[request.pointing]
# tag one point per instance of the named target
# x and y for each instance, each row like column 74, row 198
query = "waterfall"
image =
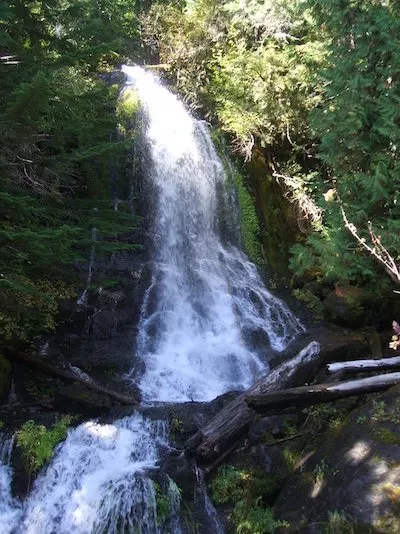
column 201, row 315
column 98, row 481
column 206, row 302
column 10, row 508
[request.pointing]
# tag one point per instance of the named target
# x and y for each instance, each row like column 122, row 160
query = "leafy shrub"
column 246, row 491
column 37, row 442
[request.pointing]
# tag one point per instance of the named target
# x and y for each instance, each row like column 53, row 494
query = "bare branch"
column 377, row 250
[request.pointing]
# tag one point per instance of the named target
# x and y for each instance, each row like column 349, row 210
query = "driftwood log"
column 224, row 432
column 300, row 397
column 46, row 368
column 358, row 366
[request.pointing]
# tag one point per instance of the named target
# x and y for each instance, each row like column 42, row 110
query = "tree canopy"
column 57, row 120
column 314, row 83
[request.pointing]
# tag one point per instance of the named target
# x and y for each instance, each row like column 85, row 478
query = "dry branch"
column 365, row 365
column 319, row 394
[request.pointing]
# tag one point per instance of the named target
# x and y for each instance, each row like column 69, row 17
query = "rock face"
column 278, row 225
column 352, row 472
column 5, row 370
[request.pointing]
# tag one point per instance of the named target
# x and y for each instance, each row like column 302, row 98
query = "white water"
column 199, row 316
column 98, row 481
column 10, row 508
column 204, row 295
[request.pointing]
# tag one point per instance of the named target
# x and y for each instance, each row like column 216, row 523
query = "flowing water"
column 201, row 318
column 10, row 508
column 206, row 301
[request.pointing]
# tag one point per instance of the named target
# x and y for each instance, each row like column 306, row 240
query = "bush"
column 37, row 442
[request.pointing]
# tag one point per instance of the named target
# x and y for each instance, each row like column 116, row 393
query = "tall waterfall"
column 206, row 300
column 201, row 314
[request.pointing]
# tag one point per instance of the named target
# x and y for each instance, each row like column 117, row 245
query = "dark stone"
column 353, row 469
column 5, row 376
column 337, row 344
column 76, row 398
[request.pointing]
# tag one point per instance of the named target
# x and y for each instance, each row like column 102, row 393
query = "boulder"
column 351, row 475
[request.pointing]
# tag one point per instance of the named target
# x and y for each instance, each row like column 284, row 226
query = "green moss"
column 291, row 458
column 250, row 226
column 339, row 523
column 176, row 427
column 386, row 436
column 37, row 442
column 311, row 301
column 163, row 505
column 128, row 104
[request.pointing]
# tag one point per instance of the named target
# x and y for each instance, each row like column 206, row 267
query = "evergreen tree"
column 358, row 125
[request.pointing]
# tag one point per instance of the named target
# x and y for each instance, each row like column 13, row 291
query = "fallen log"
column 231, row 424
column 300, row 397
column 66, row 376
column 365, row 365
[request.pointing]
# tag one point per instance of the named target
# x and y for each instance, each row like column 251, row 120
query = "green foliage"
column 339, row 523
column 311, row 301
column 315, row 84
column 37, row 443
column 245, row 490
column 57, row 120
column 324, row 416
column 257, row 520
column 249, row 223
column 227, row 485
column 163, row 505
column 128, row 106
column 41, row 242
column 357, row 123
column 246, row 63
column 176, row 427
column 291, row 458
column 320, row 471
column 386, row 436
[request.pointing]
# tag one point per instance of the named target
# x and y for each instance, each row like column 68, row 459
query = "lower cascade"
column 201, row 317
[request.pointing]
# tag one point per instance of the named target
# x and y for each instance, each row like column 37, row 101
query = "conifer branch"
column 377, row 250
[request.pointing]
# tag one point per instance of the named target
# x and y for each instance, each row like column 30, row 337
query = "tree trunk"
column 229, row 426
column 66, row 376
column 365, row 365
column 308, row 395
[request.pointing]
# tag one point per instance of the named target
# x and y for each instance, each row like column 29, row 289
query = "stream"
column 202, row 319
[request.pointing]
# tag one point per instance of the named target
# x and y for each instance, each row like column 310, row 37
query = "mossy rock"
column 353, row 475
column 274, row 211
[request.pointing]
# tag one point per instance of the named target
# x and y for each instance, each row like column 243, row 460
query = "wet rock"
column 272, row 425
column 353, row 307
column 346, row 305
column 75, row 398
column 337, row 344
